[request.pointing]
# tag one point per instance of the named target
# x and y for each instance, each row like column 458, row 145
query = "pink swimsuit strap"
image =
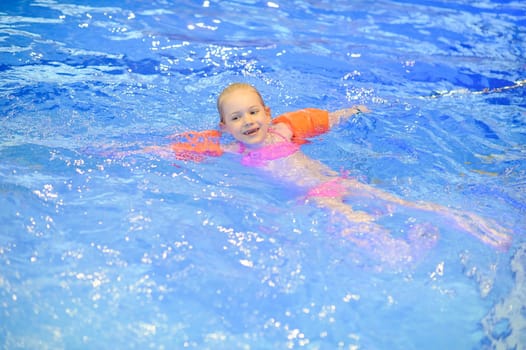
column 261, row 156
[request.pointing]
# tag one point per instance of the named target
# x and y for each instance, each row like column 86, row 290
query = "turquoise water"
column 99, row 251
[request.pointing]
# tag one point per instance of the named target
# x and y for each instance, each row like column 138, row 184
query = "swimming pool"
column 99, row 251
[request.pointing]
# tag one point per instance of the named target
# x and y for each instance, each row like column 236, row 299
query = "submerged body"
column 273, row 145
column 283, row 160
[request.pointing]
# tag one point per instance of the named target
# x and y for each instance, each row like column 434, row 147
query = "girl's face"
column 245, row 117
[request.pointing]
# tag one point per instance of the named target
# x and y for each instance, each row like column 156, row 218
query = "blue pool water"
column 105, row 252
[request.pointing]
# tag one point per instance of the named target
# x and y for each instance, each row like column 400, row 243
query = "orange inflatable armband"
column 196, row 145
column 305, row 123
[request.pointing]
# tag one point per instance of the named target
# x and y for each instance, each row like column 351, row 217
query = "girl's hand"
column 340, row 115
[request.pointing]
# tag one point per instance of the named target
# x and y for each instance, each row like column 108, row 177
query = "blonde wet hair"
column 231, row 88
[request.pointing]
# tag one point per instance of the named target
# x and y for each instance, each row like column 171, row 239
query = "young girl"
column 273, row 145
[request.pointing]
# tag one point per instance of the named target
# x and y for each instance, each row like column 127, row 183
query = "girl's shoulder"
column 283, row 130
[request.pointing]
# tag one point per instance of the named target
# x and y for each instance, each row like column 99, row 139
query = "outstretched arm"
column 341, row 115
column 189, row 146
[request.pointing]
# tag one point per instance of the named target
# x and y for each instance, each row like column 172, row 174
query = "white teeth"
column 251, row 131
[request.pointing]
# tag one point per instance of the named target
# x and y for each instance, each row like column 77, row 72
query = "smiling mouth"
column 250, row 132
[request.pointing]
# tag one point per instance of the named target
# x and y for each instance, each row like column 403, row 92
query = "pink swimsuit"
column 261, row 156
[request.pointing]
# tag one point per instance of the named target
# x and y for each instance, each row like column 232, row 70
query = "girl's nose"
column 248, row 118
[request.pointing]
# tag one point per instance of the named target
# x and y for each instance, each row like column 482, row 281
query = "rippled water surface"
column 100, row 251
